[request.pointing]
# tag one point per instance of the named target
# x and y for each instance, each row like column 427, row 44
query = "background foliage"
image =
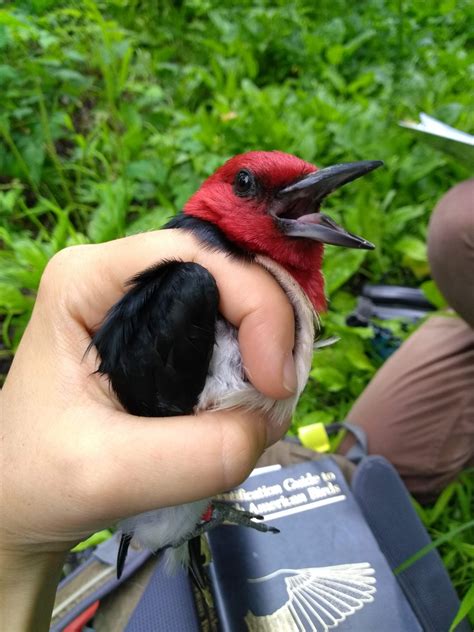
column 112, row 113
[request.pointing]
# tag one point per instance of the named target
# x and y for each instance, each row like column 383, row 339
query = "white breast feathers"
column 227, row 386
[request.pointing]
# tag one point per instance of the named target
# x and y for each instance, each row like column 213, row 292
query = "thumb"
column 153, row 462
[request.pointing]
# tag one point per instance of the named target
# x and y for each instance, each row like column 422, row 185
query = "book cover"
column 323, row 571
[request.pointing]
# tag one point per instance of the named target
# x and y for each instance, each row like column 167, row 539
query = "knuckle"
column 60, row 267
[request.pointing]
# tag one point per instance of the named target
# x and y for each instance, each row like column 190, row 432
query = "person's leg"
column 418, row 411
column 451, row 248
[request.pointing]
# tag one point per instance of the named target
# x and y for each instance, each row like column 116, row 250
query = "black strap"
column 360, row 449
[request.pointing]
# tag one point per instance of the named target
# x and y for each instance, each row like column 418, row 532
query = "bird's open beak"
column 297, row 206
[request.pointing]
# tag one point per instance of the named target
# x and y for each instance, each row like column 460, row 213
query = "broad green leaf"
column 317, row 417
column 330, row 377
column 9, row 19
column 11, row 299
column 151, row 170
column 412, row 248
column 356, row 356
column 340, row 265
column 335, row 54
column 7, row 74
column 432, row 293
column 335, row 78
column 414, row 254
column 396, row 220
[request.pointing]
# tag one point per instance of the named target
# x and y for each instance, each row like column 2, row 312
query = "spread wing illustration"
column 318, row 598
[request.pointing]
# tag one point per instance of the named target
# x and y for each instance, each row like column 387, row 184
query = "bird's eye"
column 244, row 183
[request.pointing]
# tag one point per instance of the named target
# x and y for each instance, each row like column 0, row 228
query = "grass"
column 113, row 113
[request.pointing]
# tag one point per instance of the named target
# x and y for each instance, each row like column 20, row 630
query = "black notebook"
column 323, row 571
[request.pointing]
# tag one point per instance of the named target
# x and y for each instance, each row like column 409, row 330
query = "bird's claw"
column 226, row 512
column 229, row 513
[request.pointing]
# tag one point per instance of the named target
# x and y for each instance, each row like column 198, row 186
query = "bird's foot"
column 221, row 512
column 227, row 512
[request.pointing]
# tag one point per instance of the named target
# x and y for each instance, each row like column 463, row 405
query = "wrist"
column 28, row 584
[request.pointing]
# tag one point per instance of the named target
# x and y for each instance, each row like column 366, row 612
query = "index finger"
column 250, row 298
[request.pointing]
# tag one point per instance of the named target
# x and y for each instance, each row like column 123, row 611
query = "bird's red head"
column 268, row 203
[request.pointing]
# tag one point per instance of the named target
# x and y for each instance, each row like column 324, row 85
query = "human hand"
column 73, row 460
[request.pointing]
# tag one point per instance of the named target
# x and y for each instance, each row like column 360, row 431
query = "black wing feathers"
column 156, row 342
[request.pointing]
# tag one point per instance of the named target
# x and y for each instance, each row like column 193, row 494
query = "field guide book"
column 323, row 571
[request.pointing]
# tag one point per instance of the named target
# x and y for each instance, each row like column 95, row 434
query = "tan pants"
column 418, row 411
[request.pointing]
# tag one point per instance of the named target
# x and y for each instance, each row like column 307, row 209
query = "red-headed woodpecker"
column 167, row 350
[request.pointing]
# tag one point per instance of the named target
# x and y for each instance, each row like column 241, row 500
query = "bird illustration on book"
column 167, row 350
column 319, row 599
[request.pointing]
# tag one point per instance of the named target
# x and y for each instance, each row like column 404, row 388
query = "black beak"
column 296, row 208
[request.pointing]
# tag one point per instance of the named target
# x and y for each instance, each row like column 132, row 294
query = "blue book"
column 323, row 571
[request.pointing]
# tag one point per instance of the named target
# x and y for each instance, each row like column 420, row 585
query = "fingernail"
column 290, row 381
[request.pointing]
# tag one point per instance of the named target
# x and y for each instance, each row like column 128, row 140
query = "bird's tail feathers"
column 176, row 558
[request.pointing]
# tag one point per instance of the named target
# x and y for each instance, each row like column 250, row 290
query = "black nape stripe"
column 209, row 235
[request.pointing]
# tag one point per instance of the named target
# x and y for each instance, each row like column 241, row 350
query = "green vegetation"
column 112, row 113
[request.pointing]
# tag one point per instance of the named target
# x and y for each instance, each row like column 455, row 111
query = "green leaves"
column 330, row 378
column 108, row 219
column 340, row 265
column 338, row 53
column 444, row 538
column 397, row 221
column 339, row 372
column 155, row 219
column 450, row 523
column 430, row 290
column 12, row 300
column 414, row 255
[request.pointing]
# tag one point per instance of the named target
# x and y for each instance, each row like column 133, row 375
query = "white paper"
column 444, row 137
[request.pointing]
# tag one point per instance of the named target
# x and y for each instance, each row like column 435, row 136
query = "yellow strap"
column 314, row 437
